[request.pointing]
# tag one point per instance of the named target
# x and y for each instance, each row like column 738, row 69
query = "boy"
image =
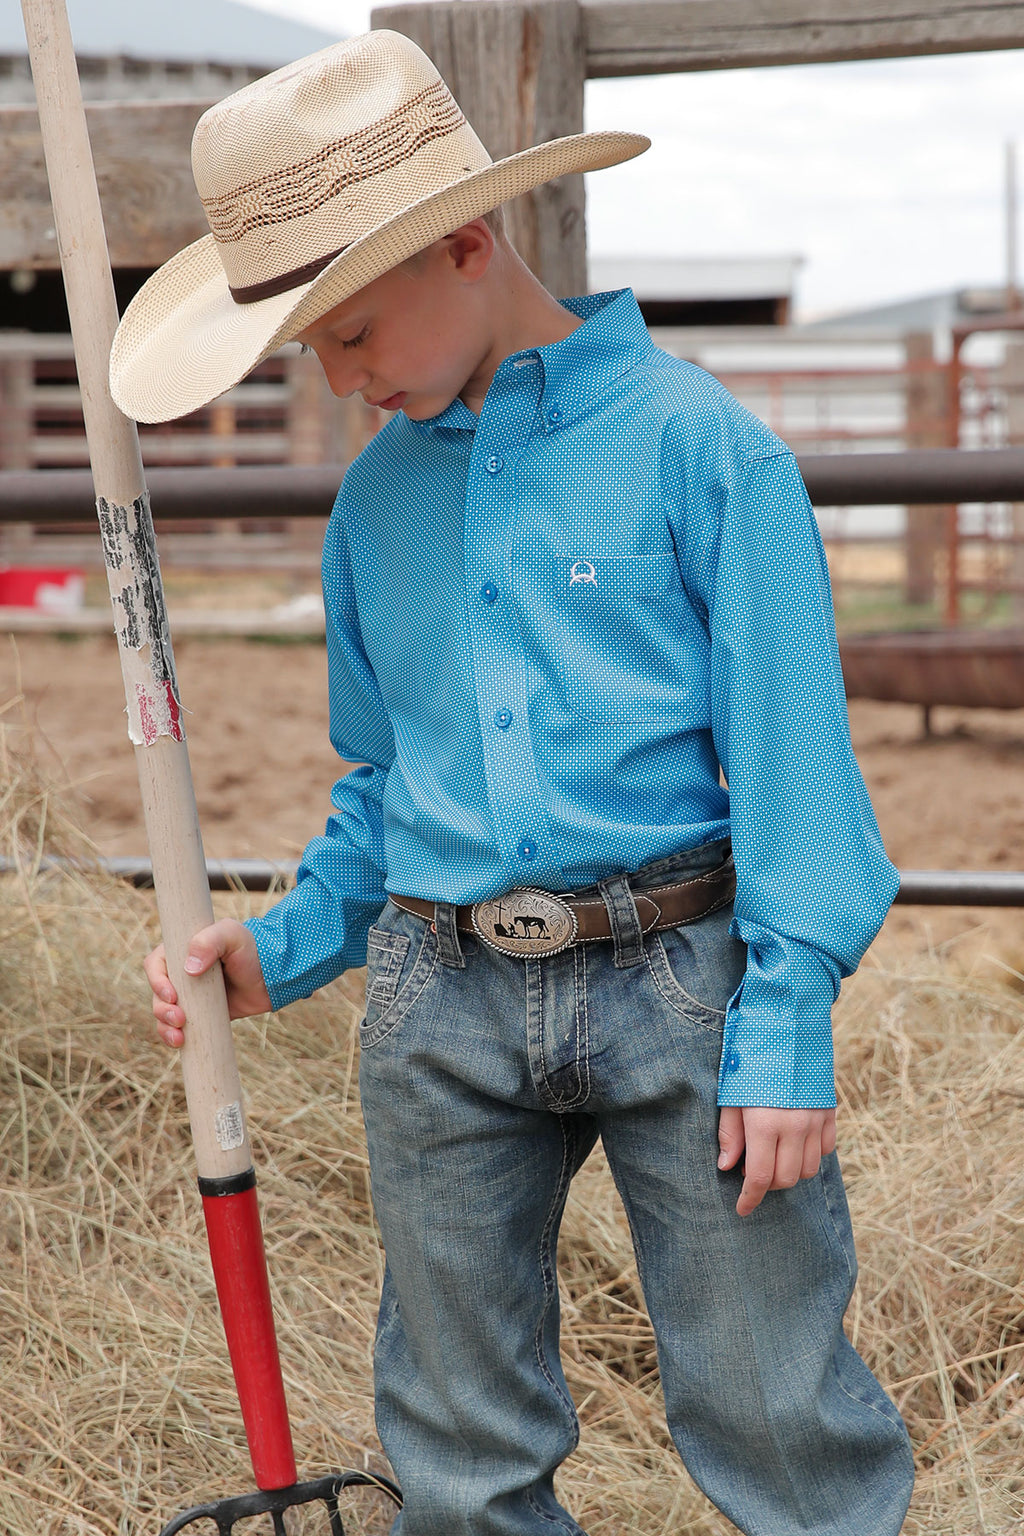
column 568, row 580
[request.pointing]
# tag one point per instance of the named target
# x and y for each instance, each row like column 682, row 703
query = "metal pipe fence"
column 918, row 887
column 923, row 477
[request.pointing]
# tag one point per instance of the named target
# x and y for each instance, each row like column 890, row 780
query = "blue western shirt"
column 548, row 627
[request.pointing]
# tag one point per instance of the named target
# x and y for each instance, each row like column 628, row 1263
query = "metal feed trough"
column 976, row 669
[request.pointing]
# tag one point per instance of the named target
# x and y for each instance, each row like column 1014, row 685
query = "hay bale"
column 116, row 1401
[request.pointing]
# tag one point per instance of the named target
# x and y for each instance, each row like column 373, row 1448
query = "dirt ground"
column 263, row 767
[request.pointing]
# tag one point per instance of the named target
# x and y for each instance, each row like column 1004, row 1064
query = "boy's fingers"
column 781, row 1149
column 757, row 1182
column 170, row 1035
column 155, row 966
column 731, row 1139
column 758, row 1172
column 798, row 1148
column 789, row 1162
column 208, row 946
column 812, row 1158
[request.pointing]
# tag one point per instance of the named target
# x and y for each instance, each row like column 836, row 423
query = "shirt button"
column 494, row 464
column 732, row 1061
column 554, row 416
column 489, row 592
column 527, row 850
column 503, row 719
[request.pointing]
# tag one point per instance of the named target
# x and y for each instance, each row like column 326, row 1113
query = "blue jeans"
column 486, row 1081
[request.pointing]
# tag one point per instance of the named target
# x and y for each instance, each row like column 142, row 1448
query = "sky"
column 887, row 177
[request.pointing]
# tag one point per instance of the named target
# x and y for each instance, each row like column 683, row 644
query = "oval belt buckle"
column 525, row 922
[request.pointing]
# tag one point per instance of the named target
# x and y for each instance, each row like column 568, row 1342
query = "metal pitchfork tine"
column 213, row 1091
column 275, row 1502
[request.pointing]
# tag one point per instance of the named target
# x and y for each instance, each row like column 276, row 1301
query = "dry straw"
column 116, row 1401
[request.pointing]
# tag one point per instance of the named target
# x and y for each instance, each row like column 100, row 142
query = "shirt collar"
column 456, row 417
column 612, row 340
column 578, row 370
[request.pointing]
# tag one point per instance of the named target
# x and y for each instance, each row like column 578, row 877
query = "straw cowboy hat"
column 315, row 180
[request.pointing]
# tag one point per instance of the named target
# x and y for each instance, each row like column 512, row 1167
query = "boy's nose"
column 343, row 379
column 345, row 375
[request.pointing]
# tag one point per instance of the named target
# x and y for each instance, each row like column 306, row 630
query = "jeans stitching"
column 535, row 980
column 383, row 988
column 375, row 1034
column 549, row 1280
column 583, row 1057
column 542, row 1514
column 713, row 1017
column 546, row 1090
column 561, row 1103
column 552, row 1100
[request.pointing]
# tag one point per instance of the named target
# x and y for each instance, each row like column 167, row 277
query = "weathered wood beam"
column 646, row 37
column 517, row 72
column 142, row 154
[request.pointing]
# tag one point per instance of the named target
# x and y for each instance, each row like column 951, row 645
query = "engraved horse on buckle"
column 525, row 922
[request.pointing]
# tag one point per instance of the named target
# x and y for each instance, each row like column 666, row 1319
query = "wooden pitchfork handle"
column 212, row 1086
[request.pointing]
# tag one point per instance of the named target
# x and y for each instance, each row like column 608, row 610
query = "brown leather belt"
column 530, row 923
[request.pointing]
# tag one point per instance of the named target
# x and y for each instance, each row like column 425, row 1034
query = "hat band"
column 252, row 292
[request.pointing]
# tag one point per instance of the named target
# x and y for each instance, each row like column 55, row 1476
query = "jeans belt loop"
column 449, row 949
column 627, row 934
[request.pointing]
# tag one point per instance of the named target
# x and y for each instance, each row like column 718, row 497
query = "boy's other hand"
column 779, row 1147
column 233, row 945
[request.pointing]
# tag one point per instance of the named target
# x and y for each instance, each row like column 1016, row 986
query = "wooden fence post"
column 517, row 71
column 1011, row 376
column 16, row 420
column 927, row 427
column 313, row 428
column 17, row 429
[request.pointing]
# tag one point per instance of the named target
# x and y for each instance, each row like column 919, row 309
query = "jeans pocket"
column 698, row 966
column 398, row 966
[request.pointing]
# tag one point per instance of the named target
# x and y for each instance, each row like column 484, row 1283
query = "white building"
column 703, row 290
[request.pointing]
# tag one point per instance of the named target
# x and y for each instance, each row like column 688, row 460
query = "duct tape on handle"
column 140, row 620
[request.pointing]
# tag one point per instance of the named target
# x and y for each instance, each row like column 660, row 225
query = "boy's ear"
column 470, row 249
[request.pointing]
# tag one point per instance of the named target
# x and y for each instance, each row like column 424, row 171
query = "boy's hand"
column 782, row 1146
column 234, row 946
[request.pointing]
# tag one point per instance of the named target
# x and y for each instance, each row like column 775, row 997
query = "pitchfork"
column 213, row 1091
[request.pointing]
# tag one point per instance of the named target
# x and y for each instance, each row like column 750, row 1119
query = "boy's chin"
column 424, row 407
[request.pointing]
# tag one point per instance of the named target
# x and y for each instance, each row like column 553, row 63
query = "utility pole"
column 1012, row 291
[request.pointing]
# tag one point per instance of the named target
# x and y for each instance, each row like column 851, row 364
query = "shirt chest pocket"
column 606, row 635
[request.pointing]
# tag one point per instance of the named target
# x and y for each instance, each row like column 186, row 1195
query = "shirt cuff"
column 773, row 1064
column 273, row 963
column 302, row 944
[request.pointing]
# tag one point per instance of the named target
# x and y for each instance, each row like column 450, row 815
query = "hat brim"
column 183, row 340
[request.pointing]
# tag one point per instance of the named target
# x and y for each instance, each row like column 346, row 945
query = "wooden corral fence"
column 518, row 68
column 890, row 394
column 280, row 414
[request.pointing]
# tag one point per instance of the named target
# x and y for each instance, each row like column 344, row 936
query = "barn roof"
column 696, row 277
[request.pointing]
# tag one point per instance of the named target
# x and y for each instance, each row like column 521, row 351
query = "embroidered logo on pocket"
column 583, row 570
